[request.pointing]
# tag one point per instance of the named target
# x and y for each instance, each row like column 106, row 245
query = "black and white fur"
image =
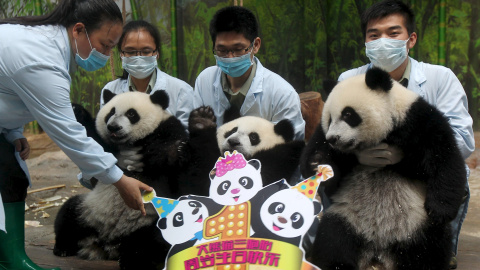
column 254, row 137
column 98, row 225
column 396, row 217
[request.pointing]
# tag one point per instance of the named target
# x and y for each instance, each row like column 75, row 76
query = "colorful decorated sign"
column 242, row 225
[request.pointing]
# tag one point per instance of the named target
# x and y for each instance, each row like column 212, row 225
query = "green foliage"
column 304, row 41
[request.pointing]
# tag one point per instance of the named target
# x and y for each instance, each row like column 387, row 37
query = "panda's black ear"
column 162, row 223
column 160, row 98
column 328, row 86
column 285, row 129
column 107, row 95
column 255, row 163
column 317, row 208
column 378, row 79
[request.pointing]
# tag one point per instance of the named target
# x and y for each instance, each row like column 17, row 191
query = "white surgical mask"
column 139, row 67
column 386, row 53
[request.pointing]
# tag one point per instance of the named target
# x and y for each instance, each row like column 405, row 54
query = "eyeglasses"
column 146, row 52
column 235, row 52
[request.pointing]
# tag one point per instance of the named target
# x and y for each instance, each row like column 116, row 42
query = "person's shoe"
column 453, row 262
column 12, row 243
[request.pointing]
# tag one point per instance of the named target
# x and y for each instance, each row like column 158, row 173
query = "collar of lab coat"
column 255, row 89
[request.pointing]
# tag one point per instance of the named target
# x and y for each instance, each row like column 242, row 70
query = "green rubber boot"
column 12, row 243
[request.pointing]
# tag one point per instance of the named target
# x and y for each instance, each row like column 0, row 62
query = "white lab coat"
column 269, row 97
column 179, row 92
column 35, row 85
column 440, row 87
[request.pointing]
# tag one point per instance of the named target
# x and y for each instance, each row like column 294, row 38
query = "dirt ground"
column 49, row 168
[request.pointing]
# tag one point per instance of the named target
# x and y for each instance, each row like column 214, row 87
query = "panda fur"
column 396, row 217
column 254, row 137
column 97, row 225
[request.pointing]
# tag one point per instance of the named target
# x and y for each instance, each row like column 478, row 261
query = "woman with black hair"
column 139, row 48
column 35, row 61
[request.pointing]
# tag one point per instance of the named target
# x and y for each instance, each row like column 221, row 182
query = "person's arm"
column 45, row 90
column 451, row 100
column 287, row 106
column 15, row 137
column 184, row 103
column 197, row 97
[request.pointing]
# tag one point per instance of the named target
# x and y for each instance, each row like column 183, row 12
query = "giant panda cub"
column 95, row 225
column 396, row 217
column 254, row 137
column 272, row 144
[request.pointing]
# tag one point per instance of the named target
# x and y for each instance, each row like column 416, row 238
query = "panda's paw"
column 314, row 161
column 202, row 118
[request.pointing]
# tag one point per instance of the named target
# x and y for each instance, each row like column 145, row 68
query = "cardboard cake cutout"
column 241, row 225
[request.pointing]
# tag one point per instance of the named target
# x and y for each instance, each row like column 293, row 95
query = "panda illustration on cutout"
column 239, row 208
column 181, row 221
column 287, row 214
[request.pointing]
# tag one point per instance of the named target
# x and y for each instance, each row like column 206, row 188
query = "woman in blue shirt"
column 35, row 85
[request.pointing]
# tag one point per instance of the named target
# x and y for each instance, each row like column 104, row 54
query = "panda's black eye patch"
column 276, row 207
column 254, row 138
column 297, row 220
column 112, row 112
column 351, row 117
column 178, row 220
column 246, row 182
column 223, row 187
column 132, row 116
column 194, row 204
column 227, row 134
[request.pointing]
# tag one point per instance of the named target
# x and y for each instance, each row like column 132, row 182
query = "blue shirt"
column 440, row 87
column 35, row 85
column 269, row 97
column 180, row 94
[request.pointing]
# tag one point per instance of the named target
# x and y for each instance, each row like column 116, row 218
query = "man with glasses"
column 388, row 28
column 139, row 49
column 239, row 82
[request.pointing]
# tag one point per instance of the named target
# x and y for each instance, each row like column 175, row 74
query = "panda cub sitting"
column 254, row 137
column 95, row 225
column 396, row 217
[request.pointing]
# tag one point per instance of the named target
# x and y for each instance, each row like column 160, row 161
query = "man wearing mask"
column 239, row 81
column 388, row 28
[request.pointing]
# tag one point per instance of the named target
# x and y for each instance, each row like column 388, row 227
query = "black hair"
column 234, row 18
column 135, row 26
column 385, row 8
column 92, row 13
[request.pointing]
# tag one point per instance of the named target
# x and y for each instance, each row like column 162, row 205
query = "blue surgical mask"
column 235, row 66
column 387, row 53
column 139, row 67
column 95, row 59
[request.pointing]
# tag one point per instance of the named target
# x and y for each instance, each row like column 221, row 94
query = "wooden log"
column 312, row 106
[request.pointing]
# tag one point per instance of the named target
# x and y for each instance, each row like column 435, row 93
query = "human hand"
column 22, row 146
column 130, row 159
column 129, row 189
column 380, row 156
